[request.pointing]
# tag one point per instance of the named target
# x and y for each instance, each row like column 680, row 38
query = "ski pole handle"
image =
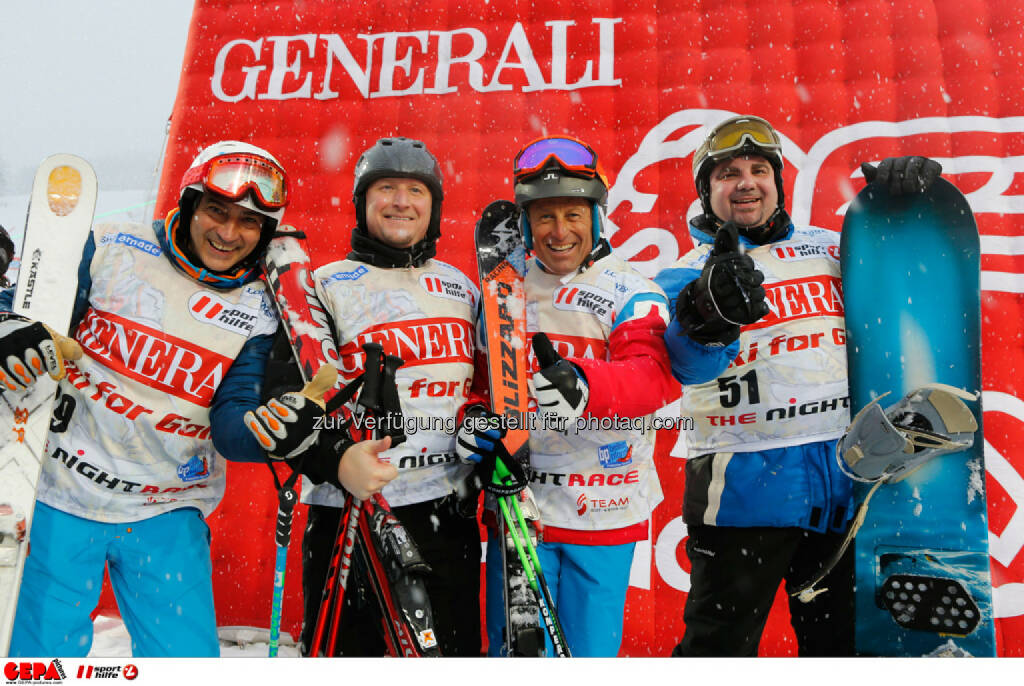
column 322, row 381
column 369, row 398
column 391, row 404
column 67, row 349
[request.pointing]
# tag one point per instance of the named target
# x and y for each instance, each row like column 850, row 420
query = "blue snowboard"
column 911, row 282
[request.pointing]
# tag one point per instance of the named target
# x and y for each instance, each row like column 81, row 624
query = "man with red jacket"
column 595, row 486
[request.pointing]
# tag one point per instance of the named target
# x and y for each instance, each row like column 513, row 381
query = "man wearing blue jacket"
column 765, row 500
column 176, row 328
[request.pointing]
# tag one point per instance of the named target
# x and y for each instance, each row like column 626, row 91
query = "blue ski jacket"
column 763, row 452
column 238, row 392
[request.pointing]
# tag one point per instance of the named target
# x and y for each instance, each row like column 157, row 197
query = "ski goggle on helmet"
column 572, row 155
column 735, row 134
column 239, row 171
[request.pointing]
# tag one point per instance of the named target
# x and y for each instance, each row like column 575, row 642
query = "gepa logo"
column 34, row 672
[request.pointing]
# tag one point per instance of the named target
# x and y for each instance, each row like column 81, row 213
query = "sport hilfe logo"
column 128, row 671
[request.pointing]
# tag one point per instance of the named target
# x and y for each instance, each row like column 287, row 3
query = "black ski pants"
column 735, row 573
column 449, row 542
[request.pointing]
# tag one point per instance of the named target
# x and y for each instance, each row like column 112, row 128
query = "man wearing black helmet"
column 765, row 500
column 391, row 290
column 595, row 483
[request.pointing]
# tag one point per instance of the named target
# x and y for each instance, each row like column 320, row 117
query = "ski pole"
column 527, row 553
column 286, row 498
column 563, row 649
column 333, row 595
column 314, row 390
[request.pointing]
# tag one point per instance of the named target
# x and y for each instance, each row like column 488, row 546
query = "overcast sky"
column 95, row 78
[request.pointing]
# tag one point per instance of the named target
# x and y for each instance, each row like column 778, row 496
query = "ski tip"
column 63, row 189
column 498, row 212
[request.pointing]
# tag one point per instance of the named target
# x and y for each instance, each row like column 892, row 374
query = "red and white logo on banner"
column 438, row 340
column 442, row 287
column 155, row 358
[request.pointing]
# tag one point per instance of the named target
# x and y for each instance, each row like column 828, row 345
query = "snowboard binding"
column 888, row 445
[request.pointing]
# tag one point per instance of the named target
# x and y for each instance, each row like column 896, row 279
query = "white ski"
column 59, row 221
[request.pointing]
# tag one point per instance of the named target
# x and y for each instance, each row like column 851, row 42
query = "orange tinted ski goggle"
column 235, row 175
column 732, row 135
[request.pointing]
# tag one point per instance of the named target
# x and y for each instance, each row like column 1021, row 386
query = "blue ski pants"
column 588, row 584
column 160, row 571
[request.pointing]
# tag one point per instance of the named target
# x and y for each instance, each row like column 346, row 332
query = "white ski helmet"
column 262, row 176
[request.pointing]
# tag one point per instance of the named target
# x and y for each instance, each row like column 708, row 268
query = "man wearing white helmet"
column 176, row 327
column 765, row 500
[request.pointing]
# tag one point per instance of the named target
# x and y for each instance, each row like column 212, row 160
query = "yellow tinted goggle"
column 734, row 134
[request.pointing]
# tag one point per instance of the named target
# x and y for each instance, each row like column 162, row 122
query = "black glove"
column 560, row 388
column 479, row 436
column 903, row 175
column 27, row 351
column 288, row 425
column 727, row 294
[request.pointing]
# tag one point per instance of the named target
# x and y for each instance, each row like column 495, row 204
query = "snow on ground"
column 111, row 639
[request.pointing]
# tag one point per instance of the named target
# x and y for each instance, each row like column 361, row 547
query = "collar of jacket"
column 371, row 251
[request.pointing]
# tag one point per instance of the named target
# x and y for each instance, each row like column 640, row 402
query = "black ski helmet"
column 399, row 157
column 736, row 136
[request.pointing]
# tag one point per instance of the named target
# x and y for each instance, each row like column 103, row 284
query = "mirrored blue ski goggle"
column 572, row 155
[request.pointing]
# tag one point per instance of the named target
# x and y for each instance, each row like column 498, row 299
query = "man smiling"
column 562, row 233
column 391, row 290
column 765, row 500
column 398, row 211
column 606, row 323
column 138, row 446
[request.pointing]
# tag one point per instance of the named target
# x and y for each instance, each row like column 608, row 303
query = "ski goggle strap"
column 237, row 174
column 238, row 276
column 571, row 154
column 734, row 134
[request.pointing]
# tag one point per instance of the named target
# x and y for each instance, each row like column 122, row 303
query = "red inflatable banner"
column 843, row 81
